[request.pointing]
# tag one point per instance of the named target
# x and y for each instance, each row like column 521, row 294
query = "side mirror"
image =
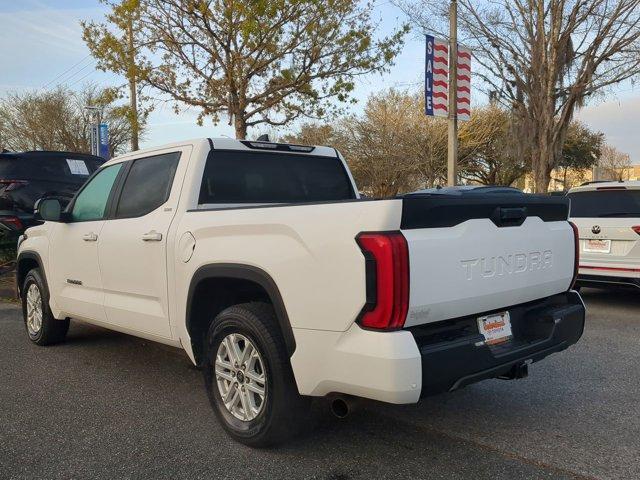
column 48, row 209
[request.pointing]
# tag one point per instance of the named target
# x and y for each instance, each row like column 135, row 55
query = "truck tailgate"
column 477, row 253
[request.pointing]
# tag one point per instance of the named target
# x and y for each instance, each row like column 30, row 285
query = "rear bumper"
column 403, row 366
column 609, row 279
column 453, row 353
column 381, row 366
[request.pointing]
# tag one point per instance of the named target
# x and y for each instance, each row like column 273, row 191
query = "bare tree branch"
column 544, row 58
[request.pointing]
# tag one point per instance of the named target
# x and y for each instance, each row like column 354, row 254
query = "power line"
column 66, row 71
column 69, row 78
column 81, row 78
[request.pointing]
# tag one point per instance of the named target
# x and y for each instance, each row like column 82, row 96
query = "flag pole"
column 452, row 171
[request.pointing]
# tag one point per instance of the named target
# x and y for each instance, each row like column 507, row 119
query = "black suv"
column 27, row 176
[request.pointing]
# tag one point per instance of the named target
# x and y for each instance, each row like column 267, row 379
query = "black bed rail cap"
column 504, row 209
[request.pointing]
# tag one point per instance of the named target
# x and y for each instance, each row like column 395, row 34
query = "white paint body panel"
column 74, row 259
column 309, row 250
column 385, row 366
column 625, row 247
column 476, row 267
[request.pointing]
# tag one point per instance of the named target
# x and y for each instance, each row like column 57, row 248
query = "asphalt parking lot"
column 107, row 405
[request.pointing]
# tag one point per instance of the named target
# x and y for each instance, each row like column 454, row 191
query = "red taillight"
column 636, row 228
column 576, row 240
column 387, row 262
column 12, row 184
column 14, row 222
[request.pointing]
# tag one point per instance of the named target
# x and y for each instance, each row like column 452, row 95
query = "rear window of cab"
column 239, row 177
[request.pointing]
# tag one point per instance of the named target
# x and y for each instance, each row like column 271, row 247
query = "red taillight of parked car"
column 8, row 185
column 636, row 228
column 387, row 271
column 576, row 264
column 12, row 222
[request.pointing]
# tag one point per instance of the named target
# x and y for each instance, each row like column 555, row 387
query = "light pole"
column 94, row 135
column 452, row 158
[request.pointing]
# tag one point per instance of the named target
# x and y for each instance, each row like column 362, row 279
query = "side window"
column 91, row 203
column 148, row 185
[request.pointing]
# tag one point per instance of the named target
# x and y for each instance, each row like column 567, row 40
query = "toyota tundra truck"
column 280, row 282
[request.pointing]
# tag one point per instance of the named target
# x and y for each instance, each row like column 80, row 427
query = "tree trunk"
column 133, row 89
column 133, row 115
column 241, row 127
column 542, row 179
column 541, row 172
column 544, row 152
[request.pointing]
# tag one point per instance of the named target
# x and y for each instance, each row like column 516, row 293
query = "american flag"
column 437, row 79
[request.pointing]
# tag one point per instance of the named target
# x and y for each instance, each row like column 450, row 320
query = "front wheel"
column 42, row 327
column 249, row 379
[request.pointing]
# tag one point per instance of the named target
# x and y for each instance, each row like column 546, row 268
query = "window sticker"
column 77, row 167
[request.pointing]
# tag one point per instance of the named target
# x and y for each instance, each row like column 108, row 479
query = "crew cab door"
column 75, row 276
column 133, row 247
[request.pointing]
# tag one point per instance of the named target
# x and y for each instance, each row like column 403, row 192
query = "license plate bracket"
column 496, row 328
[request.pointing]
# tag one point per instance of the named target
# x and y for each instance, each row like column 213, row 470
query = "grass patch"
column 7, row 282
column 7, row 255
column 7, row 249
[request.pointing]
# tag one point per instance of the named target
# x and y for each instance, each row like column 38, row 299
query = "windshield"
column 605, row 203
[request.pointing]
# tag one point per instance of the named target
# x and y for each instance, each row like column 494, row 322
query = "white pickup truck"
column 263, row 263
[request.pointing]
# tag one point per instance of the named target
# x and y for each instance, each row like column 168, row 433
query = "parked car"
column 27, row 176
column 468, row 189
column 608, row 218
column 260, row 260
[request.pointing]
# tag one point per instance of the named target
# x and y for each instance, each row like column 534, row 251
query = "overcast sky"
column 41, row 47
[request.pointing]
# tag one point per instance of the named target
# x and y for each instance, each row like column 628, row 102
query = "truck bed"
column 467, row 253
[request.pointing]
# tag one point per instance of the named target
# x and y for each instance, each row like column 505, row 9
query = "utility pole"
column 133, row 86
column 452, row 159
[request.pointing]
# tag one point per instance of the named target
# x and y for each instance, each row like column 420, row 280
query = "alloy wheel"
column 240, row 376
column 34, row 310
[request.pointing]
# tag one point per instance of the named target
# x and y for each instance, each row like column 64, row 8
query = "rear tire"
column 249, row 379
column 42, row 327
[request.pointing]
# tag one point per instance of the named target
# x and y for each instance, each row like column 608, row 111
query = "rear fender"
column 252, row 274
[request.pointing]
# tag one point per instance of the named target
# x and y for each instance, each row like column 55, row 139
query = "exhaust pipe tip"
column 340, row 407
column 517, row 372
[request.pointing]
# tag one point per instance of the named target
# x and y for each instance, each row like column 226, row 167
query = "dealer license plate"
column 496, row 328
column 597, row 245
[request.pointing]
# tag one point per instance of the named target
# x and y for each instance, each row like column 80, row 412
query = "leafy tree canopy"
column 262, row 61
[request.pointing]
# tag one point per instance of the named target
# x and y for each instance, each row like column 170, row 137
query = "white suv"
column 607, row 215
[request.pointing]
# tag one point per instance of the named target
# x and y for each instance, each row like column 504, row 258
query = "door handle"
column 90, row 237
column 152, row 236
